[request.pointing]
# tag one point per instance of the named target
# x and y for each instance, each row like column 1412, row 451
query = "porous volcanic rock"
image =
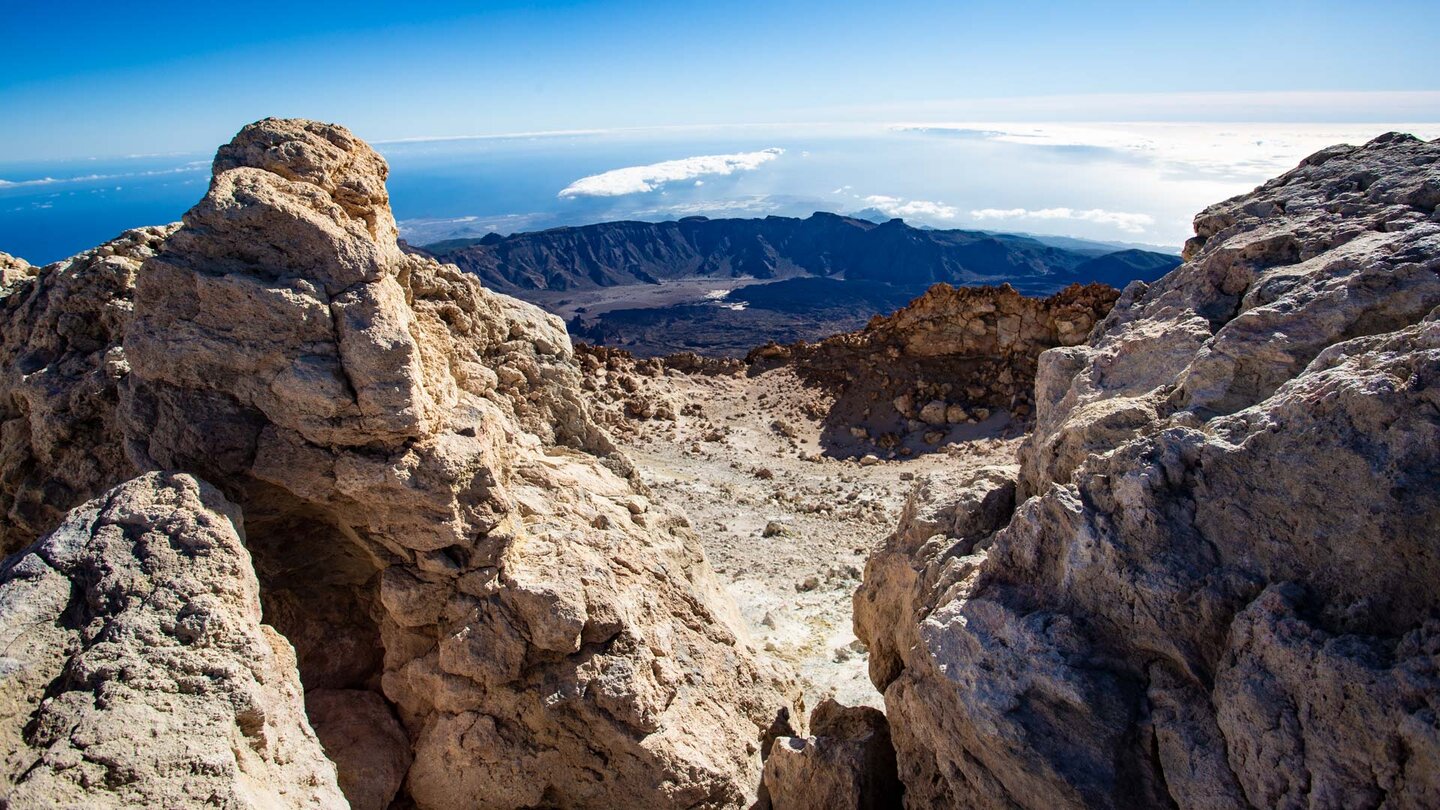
column 60, row 368
column 1218, row 586
column 433, row 514
column 136, row 672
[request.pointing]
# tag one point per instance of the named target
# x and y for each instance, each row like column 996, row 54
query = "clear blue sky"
column 106, row 78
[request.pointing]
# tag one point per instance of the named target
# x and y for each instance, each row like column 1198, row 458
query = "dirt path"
column 786, row 528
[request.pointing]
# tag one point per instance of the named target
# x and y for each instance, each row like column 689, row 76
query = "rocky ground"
column 786, row 526
column 305, row 521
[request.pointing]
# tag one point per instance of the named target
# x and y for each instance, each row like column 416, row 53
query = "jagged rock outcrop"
column 60, row 367
column 135, row 670
column 1217, row 589
column 952, row 356
column 434, row 516
column 14, row 270
column 846, row 762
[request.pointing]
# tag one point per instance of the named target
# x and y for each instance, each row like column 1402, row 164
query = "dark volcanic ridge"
column 721, row 286
column 827, row 245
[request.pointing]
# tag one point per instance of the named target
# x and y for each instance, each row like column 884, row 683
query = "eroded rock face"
column 433, row 514
column 1217, row 589
column 847, row 763
column 60, row 369
column 468, row 576
column 14, row 270
column 136, row 672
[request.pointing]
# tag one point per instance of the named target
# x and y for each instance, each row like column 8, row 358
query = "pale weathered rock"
column 136, row 672
column 423, row 485
column 13, row 270
column 846, row 762
column 1218, row 590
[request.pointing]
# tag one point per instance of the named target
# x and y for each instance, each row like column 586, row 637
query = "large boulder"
column 1218, row 586
column 136, row 672
column 473, row 583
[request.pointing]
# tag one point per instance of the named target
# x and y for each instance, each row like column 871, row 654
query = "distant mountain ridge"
column 821, row 245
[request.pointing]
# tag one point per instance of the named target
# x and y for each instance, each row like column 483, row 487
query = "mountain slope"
column 829, row 245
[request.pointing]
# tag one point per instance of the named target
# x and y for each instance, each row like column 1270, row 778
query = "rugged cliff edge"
column 1211, row 583
column 453, row 547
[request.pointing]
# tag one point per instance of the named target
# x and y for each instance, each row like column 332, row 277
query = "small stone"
column 933, row 413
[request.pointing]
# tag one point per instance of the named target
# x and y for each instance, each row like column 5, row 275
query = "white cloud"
column 640, row 179
column 916, row 209
column 1130, row 223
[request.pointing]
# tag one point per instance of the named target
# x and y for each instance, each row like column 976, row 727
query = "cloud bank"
column 1130, row 223
column 640, row 179
column 917, row 209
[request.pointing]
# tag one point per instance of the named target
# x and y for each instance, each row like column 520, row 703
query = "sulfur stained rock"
column 136, row 671
column 1216, row 586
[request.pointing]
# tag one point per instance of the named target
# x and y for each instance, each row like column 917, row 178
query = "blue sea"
column 1126, row 184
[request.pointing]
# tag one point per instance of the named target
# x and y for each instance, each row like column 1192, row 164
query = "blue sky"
column 1104, row 120
column 90, row 79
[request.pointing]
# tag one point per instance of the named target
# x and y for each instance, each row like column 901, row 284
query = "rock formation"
column 1208, row 582
column 1216, row 587
column 60, row 369
column 435, row 519
column 136, row 672
column 846, row 762
column 953, row 356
